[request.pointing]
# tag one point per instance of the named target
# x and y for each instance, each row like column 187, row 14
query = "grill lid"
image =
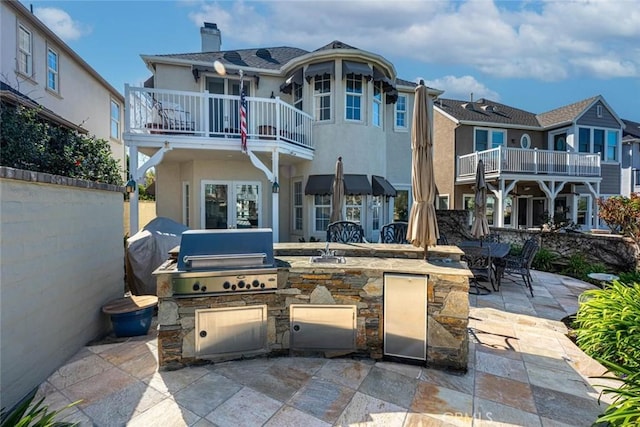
column 226, row 249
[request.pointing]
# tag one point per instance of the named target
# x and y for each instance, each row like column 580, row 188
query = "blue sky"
column 533, row 55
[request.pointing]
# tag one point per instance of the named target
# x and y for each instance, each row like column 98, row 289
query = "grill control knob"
column 226, row 285
column 196, row 286
column 241, row 284
column 203, row 289
column 233, row 287
column 255, row 283
column 262, row 285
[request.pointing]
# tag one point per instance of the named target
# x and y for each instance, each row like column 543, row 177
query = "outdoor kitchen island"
column 327, row 308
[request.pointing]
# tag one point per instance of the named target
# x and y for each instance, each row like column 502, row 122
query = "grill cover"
column 227, row 242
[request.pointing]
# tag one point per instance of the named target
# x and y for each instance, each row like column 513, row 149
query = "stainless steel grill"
column 212, row 262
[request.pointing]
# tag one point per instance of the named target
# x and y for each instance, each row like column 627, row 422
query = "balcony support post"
column 275, row 200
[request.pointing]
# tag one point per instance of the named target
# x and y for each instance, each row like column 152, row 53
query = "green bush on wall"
column 30, row 143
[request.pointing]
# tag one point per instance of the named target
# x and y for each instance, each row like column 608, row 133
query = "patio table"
column 497, row 250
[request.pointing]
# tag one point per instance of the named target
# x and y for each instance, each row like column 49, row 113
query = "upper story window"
column 525, row 141
column 115, row 120
column 353, row 100
column 603, row 141
column 377, row 104
column 401, row 112
column 322, row 97
column 297, row 96
column 25, row 48
column 599, row 111
column 52, row 70
column 486, row 139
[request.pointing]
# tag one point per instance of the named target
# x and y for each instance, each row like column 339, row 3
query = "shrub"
column 28, row 142
column 608, row 322
column 625, row 408
column 544, row 259
column 630, row 277
column 578, row 267
column 28, row 414
column 622, row 215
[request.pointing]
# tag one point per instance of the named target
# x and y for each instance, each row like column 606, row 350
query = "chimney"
column 211, row 37
column 471, row 96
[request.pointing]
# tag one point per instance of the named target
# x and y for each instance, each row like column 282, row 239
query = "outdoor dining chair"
column 394, row 232
column 520, row 265
column 345, row 232
column 478, row 260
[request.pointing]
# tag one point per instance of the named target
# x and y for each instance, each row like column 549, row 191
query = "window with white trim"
column 508, row 211
column 297, row 96
column 353, row 205
column 525, row 141
column 582, row 209
column 297, row 205
column 401, row 112
column 377, row 104
column 376, row 207
column 322, row 97
column 25, row 49
column 486, row 139
column 353, row 98
column 595, row 140
column 52, row 70
column 186, row 199
column 442, row 202
column 322, row 211
column 468, row 202
column 599, row 111
column 612, row 145
column 115, row 120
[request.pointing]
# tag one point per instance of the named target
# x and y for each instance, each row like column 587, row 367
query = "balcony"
column 162, row 114
column 519, row 161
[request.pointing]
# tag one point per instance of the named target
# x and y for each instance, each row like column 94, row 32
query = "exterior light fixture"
column 131, row 186
column 275, row 188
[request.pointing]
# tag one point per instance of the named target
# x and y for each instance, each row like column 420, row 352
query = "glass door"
column 224, row 114
column 231, row 204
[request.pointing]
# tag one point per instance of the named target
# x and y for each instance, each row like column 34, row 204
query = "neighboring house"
column 630, row 158
column 550, row 165
column 39, row 70
column 303, row 111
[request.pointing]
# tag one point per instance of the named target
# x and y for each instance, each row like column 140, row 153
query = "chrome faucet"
column 326, row 252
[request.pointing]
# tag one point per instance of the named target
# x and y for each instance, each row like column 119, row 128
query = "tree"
column 622, row 215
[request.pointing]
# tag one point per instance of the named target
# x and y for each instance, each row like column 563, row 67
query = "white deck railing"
column 166, row 112
column 530, row 161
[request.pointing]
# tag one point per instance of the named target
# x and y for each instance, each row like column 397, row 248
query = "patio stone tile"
column 57, row 401
column 503, row 390
column 242, row 371
column 206, row 394
column 411, row 371
column 390, row 386
column 563, row 381
column 495, row 341
column 142, row 366
column 501, row 366
column 78, row 370
column 278, row 383
column 174, row 381
column 167, row 413
column 369, row 411
column 422, row 420
column 323, row 399
column 546, row 422
column 309, row 365
column 125, row 352
column 442, row 404
column 99, row 348
column 288, row 416
column 93, row 389
column 488, row 413
column 349, row 373
column 509, row 353
column 77, row 418
column 519, row 308
column 119, row 407
column 454, row 381
column 245, row 408
column 562, row 363
column 497, row 304
column 566, row 408
column 204, row 423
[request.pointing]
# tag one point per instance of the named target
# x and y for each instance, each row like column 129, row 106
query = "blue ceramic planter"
column 132, row 324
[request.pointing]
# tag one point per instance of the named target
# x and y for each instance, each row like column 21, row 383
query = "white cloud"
column 549, row 40
column 462, row 88
column 60, row 22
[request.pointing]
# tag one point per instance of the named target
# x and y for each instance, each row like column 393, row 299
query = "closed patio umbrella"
column 480, row 226
column 422, row 229
column 337, row 198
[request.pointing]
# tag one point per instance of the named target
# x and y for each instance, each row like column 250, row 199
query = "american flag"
column 243, row 121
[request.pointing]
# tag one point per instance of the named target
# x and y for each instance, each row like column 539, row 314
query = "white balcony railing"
column 166, row 112
column 530, row 161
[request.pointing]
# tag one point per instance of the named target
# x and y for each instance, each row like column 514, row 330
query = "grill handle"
column 226, row 260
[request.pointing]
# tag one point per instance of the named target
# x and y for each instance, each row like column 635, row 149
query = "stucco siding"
column 444, row 155
column 62, row 259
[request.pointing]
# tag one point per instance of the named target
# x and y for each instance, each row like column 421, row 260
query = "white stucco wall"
column 62, row 259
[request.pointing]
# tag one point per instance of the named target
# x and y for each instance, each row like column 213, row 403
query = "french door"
column 224, row 113
column 231, row 204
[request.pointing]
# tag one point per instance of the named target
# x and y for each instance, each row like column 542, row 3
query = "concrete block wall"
column 61, row 259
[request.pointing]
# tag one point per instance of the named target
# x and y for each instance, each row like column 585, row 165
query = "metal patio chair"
column 478, row 260
column 394, row 232
column 520, row 265
column 345, row 232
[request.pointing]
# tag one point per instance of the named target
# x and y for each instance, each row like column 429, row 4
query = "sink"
column 327, row 259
